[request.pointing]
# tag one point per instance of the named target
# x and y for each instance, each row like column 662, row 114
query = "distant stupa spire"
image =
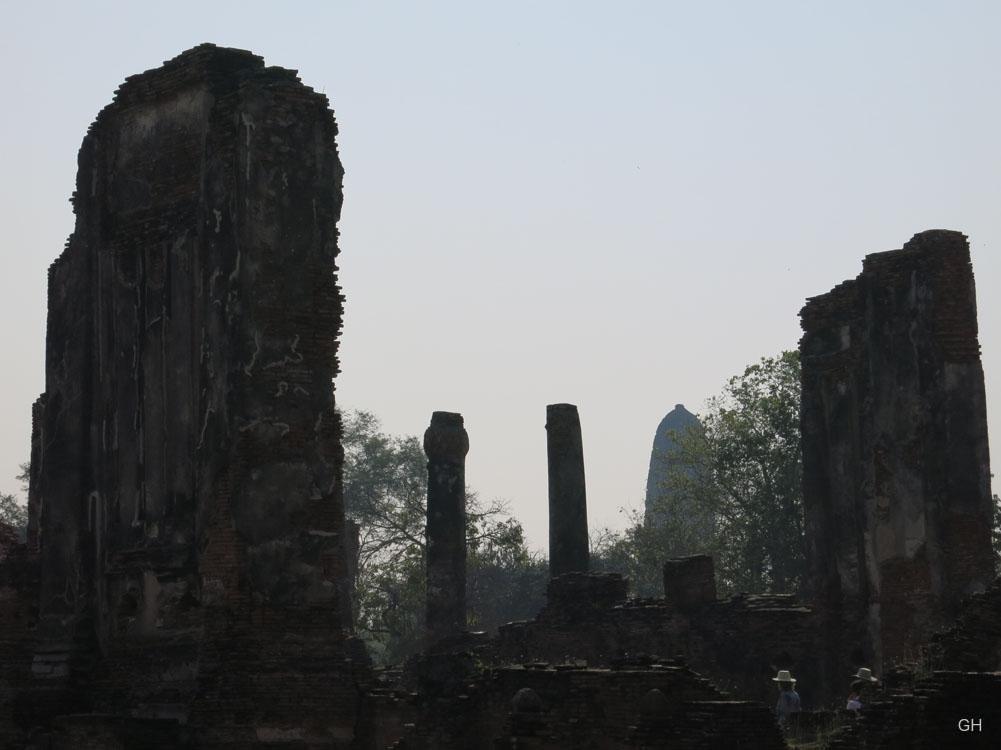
column 663, row 459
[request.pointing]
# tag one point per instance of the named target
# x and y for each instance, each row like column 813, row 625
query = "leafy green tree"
column 739, row 476
column 504, row 580
column 12, row 511
column 638, row 553
column 24, row 477
column 385, row 491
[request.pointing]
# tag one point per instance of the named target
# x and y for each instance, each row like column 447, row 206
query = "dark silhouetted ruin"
column 185, row 486
column 739, row 642
column 896, row 474
column 187, row 576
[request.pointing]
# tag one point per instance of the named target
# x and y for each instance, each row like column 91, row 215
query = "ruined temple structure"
column 599, row 671
column 898, row 520
column 596, row 669
column 896, row 476
column 186, row 512
column 738, row 642
column 186, row 578
column 187, row 573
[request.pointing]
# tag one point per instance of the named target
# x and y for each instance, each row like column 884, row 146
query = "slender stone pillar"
column 446, row 444
column 568, row 544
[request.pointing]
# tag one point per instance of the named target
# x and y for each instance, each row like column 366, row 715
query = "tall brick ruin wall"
column 896, row 469
column 185, row 490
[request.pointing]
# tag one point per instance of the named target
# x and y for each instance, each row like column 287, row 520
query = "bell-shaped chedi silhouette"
column 669, row 467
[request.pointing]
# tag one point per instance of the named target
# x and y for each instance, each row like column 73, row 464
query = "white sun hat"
column 864, row 673
column 784, row 676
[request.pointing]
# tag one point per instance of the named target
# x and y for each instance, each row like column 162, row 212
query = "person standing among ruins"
column 788, row 702
column 863, row 683
column 854, row 699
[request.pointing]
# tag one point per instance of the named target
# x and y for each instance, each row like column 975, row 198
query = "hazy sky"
column 614, row 204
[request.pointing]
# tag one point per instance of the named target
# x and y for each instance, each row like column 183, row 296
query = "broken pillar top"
column 560, row 412
column 446, row 438
column 560, row 407
column 446, row 419
column 563, row 419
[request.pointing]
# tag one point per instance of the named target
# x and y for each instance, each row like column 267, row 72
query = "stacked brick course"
column 739, row 642
column 973, row 641
column 555, row 707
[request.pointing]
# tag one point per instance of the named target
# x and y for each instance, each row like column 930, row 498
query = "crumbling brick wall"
column 598, row 709
column 973, row 641
column 896, row 475
column 739, row 643
column 186, row 455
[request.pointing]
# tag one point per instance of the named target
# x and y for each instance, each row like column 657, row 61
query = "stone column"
column 446, row 444
column 568, row 544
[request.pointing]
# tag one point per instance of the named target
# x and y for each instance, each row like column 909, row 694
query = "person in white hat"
column 862, row 683
column 788, row 702
column 865, row 675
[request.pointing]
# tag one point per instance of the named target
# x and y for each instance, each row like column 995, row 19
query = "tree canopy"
column 385, row 491
column 733, row 490
column 12, row 510
column 13, row 513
